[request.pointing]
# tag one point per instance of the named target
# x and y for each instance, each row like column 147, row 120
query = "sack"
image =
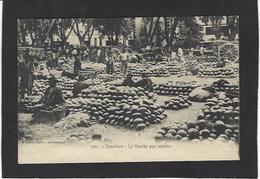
column 199, row 95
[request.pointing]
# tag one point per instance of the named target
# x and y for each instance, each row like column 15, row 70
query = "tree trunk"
column 156, row 26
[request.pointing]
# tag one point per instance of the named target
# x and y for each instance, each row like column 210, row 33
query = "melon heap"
column 173, row 89
column 26, row 105
column 177, row 102
column 219, row 119
column 124, row 106
column 221, row 108
column 217, row 73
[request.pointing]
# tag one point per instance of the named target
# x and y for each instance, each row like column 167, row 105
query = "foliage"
column 169, row 32
column 150, row 26
column 63, row 28
column 189, row 32
column 83, row 27
column 39, row 30
column 216, row 21
column 113, row 27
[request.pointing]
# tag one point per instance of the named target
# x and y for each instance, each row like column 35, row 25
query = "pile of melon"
column 217, row 73
column 200, row 130
column 39, row 87
column 149, row 72
column 177, row 102
column 218, row 119
column 26, row 105
column 130, row 107
column 221, row 108
column 225, row 87
column 173, row 89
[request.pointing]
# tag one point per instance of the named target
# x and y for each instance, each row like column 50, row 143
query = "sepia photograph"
column 128, row 89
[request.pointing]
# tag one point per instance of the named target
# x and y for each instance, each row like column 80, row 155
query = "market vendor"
column 53, row 95
column 77, row 64
column 128, row 81
column 145, row 83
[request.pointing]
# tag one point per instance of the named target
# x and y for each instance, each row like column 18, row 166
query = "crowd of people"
column 28, row 62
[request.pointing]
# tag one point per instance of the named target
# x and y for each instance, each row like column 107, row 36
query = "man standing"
column 77, row 65
column 27, row 69
column 99, row 55
column 123, row 57
column 110, row 61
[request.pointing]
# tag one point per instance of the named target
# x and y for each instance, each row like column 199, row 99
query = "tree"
column 63, row 28
column 127, row 28
column 215, row 22
column 83, row 27
column 39, row 30
column 233, row 25
column 150, row 27
column 170, row 26
column 21, row 32
column 190, row 32
column 114, row 27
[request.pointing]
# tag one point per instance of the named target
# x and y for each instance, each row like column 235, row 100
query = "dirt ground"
column 47, row 132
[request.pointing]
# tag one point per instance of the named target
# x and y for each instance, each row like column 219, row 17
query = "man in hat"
column 53, row 95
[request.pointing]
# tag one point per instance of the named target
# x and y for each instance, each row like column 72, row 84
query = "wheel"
column 228, row 52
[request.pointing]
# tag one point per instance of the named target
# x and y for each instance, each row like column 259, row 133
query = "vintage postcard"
column 128, row 89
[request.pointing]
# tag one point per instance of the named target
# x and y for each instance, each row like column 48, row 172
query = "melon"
column 177, row 137
column 223, row 136
column 182, row 133
column 229, row 132
column 138, row 121
column 140, row 126
column 205, row 133
column 193, row 133
column 158, row 137
column 184, row 139
column 220, row 126
column 202, row 124
column 172, row 132
column 161, row 131
column 169, row 136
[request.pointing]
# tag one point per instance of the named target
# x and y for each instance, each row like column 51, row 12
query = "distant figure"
column 99, row 52
column 77, row 65
column 222, row 37
column 110, row 61
column 180, row 54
